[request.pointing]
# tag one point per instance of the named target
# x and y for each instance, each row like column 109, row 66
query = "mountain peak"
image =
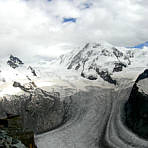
column 95, row 60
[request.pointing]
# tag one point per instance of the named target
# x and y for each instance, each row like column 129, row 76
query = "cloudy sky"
column 51, row 27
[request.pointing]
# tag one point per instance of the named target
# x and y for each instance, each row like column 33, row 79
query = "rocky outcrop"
column 119, row 66
column 9, row 142
column 136, row 108
column 106, row 76
column 40, row 110
column 117, row 53
column 32, row 71
column 14, row 62
column 90, row 77
column 29, row 87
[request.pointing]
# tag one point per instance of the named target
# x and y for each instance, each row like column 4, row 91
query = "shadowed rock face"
column 106, row 76
column 40, row 110
column 118, row 67
column 136, row 107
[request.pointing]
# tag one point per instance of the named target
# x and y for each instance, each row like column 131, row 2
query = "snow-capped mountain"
column 102, row 60
column 13, row 68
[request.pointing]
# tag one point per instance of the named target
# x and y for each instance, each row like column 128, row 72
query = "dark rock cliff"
column 136, row 108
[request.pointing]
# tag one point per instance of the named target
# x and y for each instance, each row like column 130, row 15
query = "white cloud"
column 30, row 27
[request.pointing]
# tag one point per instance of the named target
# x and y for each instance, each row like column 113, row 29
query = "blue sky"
column 65, row 20
column 51, row 28
column 142, row 45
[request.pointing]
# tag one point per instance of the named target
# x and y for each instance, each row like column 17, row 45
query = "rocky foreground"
column 9, row 142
